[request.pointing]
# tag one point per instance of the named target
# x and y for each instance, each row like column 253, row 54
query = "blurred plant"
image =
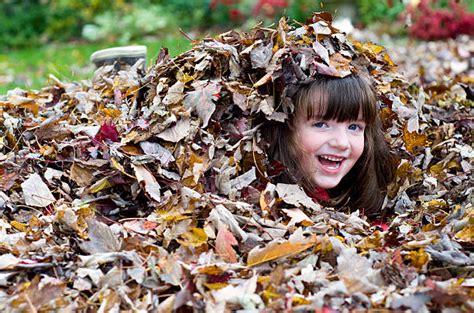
column 235, row 12
column 31, row 22
column 188, row 14
column 372, row 11
column 137, row 20
column 67, row 17
column 434, row 20
column 21, row 22
column 301, row 9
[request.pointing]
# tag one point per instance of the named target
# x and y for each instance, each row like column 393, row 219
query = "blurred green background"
column 38, row 37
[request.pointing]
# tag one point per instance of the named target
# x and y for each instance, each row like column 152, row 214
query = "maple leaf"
column 413, row 140
column 107, row 130
column 202, row 99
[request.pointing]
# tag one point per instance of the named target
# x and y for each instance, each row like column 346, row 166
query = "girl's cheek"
column 360, row 146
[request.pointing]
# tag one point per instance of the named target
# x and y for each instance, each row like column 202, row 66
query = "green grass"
column 30, row 68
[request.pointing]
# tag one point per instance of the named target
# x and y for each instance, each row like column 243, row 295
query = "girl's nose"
column 340, row 139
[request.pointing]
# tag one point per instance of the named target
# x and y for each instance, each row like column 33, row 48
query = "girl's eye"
column 356, row 127
column 319, row 124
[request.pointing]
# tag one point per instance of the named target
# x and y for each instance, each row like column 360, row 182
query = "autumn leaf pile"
column 153, row 192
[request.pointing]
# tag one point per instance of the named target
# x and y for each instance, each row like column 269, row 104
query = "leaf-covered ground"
column 153, row 192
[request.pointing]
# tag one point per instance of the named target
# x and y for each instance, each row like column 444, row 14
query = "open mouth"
column 330, row 162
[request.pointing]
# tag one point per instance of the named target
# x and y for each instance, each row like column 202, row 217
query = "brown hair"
column 341, row 99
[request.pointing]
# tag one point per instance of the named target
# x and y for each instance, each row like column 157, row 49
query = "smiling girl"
column 333, row 144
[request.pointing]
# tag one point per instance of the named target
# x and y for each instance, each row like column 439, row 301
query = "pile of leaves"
column 153, row 192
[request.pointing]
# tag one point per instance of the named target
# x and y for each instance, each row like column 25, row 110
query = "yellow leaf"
column 307, row 39
column 193, row 238
column 131, row 136
column 418, row 258
column 211, row 270
column 100, row 185
column 119, row 166
column 31, row 106
column 371, row 242
column 413, row 140
column 276, row 250
column 385, row 88
column 454, row 164
column 184, row 78
column 263, row 279
column 404, row 169
column 388, row 59
column 437, row 204
column 171, row 216
column 19, row 226
column 47, row 150
column 297, row 300
column 324, row 246
column 437, row 171
column 215, row 286
column 269, row 295
column 373, row 48
column 113, row 113
column 466, row 234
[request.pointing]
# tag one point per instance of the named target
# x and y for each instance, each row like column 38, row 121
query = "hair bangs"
column 341, row 99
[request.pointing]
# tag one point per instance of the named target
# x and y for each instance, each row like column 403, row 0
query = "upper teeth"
column 334, row 159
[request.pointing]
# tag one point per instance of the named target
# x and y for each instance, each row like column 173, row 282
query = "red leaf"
column 107, row 131
column 380, row 224
column 320, row 194
column 224, row 242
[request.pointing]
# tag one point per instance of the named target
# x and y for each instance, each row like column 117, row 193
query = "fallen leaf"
column 151, row 185
column 177, row 132
column 36, row 192
column 195, row 237
column 276, row 250
column 297, row 216
column 101, row 238
column 224, row 242
column 413, row 140
column 8, row 261
column 107, row 130
column 202, row 99
column 100, row 185
column 293, row 194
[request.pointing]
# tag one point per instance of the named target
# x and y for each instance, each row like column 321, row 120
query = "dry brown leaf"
column 278, row 249
column 151, row 185
column 413, row 140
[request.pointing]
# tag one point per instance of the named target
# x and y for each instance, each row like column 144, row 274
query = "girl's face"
column 327, row 149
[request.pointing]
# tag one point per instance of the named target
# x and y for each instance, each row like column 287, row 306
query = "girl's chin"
column 326, row 183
